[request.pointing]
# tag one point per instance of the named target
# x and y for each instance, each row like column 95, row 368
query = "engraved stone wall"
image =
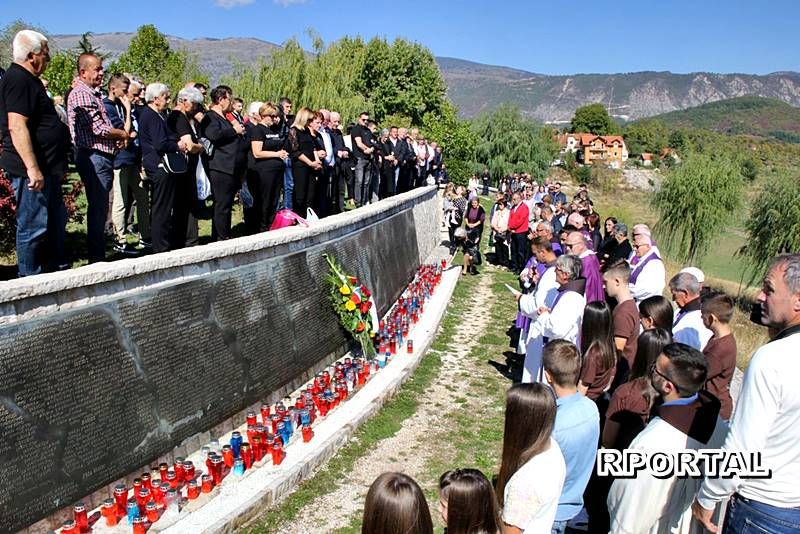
column 96, row 388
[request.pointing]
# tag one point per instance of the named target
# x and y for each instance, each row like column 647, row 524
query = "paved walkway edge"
column 237, row 502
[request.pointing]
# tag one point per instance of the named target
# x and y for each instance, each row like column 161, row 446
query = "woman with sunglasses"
column 268, row 157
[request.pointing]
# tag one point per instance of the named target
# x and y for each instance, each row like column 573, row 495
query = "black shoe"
column 144, row 245
column 125, row 248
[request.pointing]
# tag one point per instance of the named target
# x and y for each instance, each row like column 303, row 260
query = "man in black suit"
column 393, row 149
column 407, row 162
column 343, row 164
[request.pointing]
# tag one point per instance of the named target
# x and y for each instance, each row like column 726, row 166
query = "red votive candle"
column 277, row 452
column 216, row 469
column 162, row 470
column 146, row 481
column 142, row 499
column 258, row 449
column 207, row 482
column 188, row 470
column 307, row 433
column 69, row 527
column 121, row 499
column 139, row 525
column 265, row 410
column 247, row 455
column 162, row 499
column 192, row 490
column 409, row 346
column 81, row 517
column 151, row 510
column 172, row 479
column 250, row 417
column 177, row 466
column 109, row 511
column 156, row 491
column 227, row 456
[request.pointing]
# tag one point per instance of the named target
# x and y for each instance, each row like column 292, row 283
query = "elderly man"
column 687, row 326
column 34, row 156
column 324, row 191
column 96, row 143
column 560, row 320
column 648, row 273
column 687, row 420
column 545, row 229
column 342, row 167
column 576, row 244
column 766, row 419
column 620, row 248
column 543, row 296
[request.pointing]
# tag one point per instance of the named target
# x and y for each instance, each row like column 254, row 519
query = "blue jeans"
column 745, row 516
column 97, row 173
column 41, row 225
column 559, row 527
column 288, row 186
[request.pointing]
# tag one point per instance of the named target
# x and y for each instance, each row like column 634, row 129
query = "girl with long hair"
column 598, row 349
column 656, row 312
column 532, row 471
column 467, row 503
column 395, row 505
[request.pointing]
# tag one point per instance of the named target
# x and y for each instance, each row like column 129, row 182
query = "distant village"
column 605, row 150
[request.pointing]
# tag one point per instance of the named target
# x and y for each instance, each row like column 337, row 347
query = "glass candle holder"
column 132, row 510
column 188, row 470
column 139, row 525
column 238, row 467
column 265, row 411
column 151, row 511
column 147, row 480
column 207, row 483
column 251, row 418
column 108, row 510
column 69, row 527
column 81, row 517
column 192, row 490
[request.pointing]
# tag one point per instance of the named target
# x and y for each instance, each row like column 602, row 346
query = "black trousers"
column 501, row 250
column 224, row 187
column 339, row 181
column 519, row 246
column 305, row 182
column 323, row 194
column 169, row 210
column 387, row 181
column 265, row 185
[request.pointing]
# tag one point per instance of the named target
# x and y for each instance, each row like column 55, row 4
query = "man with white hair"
column 35, row 145
column 575, row 244
column 688, row 326
column 648, row 273
column 96, row 143
column 342, row 168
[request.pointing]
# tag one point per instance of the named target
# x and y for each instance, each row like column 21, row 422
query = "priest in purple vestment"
column 577, row 246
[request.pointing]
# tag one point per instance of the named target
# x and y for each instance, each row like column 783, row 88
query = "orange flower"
column 360, row 326
column 355, row 299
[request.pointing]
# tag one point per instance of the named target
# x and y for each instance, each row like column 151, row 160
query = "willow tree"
column 697, row 200
column 508, row 142
column 773, row 226
column 457, row 140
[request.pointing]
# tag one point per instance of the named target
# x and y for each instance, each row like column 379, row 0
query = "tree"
column 60, row 72
column 509, row 142
column 593, row 119
column 695, row 204
column 86, row 46
column 456, row 139
column 647, row 135
column 750, row 168
column 679, row 141
column 773, row 226
column 150, row 57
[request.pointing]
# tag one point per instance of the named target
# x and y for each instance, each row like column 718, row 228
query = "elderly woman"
column 500, row 230
column 621, row 247
column 562, row 320
column 304, row 151
column 225, row 135
column 164, row 162
column 268, row 157
column 475, row 218
column 182, row 122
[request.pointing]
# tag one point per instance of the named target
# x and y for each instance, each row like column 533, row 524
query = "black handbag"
column 175, row 163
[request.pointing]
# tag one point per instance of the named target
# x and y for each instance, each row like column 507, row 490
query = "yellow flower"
column 349, row 305
column 344, row 290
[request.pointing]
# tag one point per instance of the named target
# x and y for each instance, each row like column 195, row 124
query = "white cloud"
column 229, row 4
column 287, row 3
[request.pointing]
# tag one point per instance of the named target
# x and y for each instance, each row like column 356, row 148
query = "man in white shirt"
column 687, row 326
column 648, row 273
column 766, row 419
column 687, row 420
column 543, row 296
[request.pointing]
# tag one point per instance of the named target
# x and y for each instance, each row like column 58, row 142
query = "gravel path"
column 406, row 451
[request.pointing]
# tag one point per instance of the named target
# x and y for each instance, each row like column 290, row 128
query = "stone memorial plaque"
column 71, row 405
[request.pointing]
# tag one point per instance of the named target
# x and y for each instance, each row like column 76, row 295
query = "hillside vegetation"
column 747, row 115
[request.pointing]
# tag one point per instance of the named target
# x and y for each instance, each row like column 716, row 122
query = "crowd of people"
column 151, row 156
column 609, row 363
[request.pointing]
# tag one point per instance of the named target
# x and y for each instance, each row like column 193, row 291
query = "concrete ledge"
column 44, row 294
column 239, row 501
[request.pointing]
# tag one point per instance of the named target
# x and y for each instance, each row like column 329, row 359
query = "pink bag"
column 287, row 218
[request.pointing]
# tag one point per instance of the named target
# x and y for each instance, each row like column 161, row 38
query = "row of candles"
column 166, row 487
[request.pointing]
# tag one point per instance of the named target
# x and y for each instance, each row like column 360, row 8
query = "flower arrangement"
column 354, row 306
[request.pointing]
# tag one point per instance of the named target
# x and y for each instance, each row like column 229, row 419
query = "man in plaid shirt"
column 96, row 143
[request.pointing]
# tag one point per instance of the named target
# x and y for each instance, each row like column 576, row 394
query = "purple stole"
column 638, row 270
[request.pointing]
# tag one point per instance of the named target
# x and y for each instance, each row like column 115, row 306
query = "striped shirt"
column 88, row 121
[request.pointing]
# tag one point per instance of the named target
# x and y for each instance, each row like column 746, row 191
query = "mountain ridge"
column 476, row 87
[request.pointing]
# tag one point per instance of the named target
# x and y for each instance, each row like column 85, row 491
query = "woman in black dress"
column 268, row 162
column 304, row 149
column 182, row 121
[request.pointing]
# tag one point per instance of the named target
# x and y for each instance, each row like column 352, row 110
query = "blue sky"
column 551, row 37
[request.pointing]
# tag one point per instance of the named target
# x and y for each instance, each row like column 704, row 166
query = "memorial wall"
column 105, row 368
